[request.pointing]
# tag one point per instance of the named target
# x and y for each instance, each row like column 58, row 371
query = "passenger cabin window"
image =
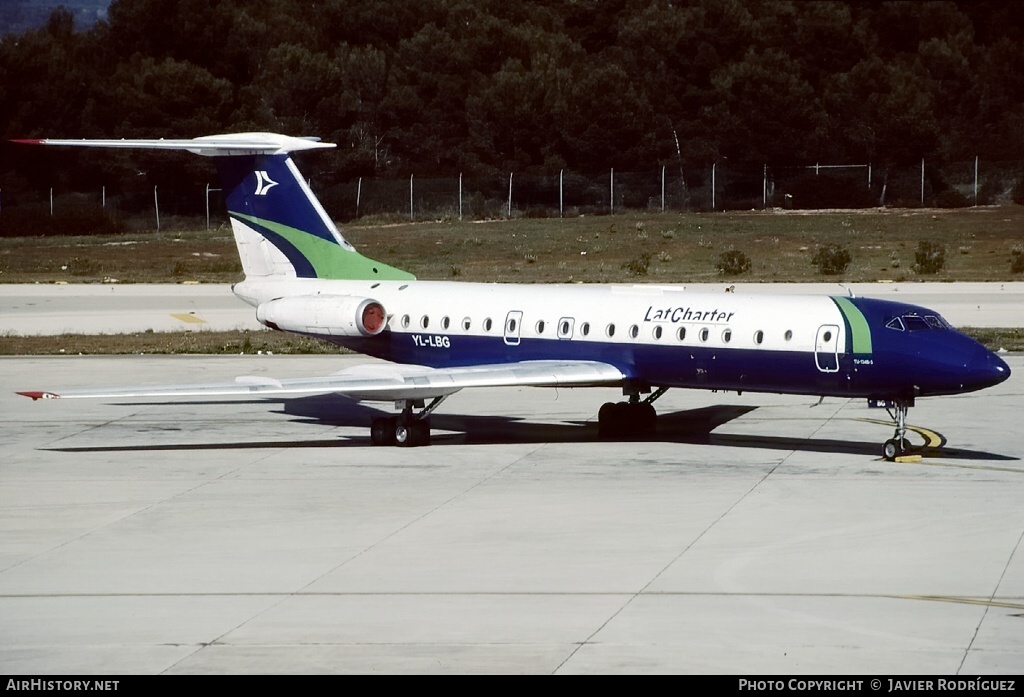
column 657, row 332
column 681, row 333
column 466, row 324
column 405, row 321
column 788, row 335
column 758, row 337
column 445, row 322
column 704, row 334
column 488, row 324
column 610, row 331
column 540, row 326
column 424, row 321
column 585, row 328
column 634, row 332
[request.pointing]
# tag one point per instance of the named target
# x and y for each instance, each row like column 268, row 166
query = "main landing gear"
column 628, row 419
column 408, row 429
column 898, row 445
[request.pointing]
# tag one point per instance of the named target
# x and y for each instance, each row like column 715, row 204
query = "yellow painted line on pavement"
column 931, row 438
column 186, row 317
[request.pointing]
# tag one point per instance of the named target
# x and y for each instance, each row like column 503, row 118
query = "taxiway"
column 756, row 534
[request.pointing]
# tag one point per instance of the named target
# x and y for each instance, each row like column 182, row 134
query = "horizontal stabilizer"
column 224, row 145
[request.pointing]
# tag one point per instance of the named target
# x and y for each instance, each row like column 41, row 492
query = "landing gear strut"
column 407, row 430
column 628, row 419
column 899, row 444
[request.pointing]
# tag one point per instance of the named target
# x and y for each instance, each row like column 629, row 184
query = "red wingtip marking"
column 39, row 395
column 29, row 141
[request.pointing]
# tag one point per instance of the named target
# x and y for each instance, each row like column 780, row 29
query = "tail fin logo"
column 264, row 183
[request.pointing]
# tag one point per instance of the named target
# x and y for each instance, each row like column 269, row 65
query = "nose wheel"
column 898, row 445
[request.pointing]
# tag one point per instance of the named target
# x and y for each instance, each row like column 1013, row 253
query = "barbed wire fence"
column 722, row 186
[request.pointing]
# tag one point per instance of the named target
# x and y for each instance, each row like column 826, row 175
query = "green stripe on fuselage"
column 859, row 328
column 328, row 259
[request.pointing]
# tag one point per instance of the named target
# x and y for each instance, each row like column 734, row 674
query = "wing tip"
column 33, row 395
column 29, row 141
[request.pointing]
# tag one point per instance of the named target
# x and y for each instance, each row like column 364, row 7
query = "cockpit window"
column 915, row 323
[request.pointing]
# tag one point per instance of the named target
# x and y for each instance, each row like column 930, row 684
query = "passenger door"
column 826, row 348
column 513, row 326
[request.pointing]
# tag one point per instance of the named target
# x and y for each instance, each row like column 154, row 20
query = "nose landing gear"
column 898, row 445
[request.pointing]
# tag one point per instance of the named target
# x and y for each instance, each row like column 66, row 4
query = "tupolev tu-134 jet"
column 302, row 276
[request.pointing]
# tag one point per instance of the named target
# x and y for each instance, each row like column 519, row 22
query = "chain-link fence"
column 722, row 186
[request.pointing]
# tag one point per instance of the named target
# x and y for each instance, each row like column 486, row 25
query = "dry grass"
column 591, row 249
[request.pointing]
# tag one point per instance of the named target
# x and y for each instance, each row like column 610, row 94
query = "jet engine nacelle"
column 336, row 315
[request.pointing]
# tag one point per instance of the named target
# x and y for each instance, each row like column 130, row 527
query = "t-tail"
column 280, row 228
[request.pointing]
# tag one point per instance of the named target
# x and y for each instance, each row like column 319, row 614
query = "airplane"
column 439, row 337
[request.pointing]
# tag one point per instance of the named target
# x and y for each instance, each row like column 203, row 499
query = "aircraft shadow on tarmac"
column 693, row 426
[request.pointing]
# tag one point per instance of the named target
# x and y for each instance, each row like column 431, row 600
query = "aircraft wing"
column 375, row 382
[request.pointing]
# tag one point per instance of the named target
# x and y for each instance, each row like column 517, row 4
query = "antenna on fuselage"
column 849, row 291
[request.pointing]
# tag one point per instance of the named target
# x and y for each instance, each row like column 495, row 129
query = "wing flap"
column 373, row 382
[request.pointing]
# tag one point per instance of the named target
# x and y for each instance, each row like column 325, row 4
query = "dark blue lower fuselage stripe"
column 663, row 366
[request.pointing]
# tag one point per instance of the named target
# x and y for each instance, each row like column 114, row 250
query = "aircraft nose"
column 989, row 369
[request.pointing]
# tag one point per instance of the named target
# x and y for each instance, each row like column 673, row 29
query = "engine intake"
column 335, row 315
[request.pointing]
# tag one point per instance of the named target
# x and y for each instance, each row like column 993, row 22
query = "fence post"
column 560, row 193
column 207, row 205
column 869, row 176
column 975, row 181
column 411, row 217
column 510, row 195
column 104, row 204
column 359, row 194
column 51, row 201
column 611, row 200
column 764, row 188
column 663, row 188
column 460, row 196
column 156, row 206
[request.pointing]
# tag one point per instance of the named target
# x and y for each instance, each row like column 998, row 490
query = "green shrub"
column 638, row 265
column 1017, row 260
column 930, row 257
column 733, row 263
column 832, row 259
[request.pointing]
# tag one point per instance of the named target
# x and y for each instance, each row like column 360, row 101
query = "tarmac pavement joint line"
column 981, row 620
